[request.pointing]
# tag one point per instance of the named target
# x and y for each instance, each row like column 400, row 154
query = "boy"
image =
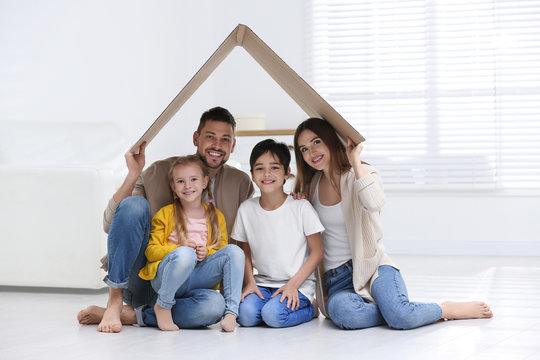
column 281, row 238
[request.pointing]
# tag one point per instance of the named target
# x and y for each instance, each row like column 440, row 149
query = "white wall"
column 280, row 24
column 118, row 62
column 462, row 224
column 122, row 62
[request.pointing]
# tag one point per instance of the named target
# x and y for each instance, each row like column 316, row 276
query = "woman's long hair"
column 339, row 163
column 211, row 214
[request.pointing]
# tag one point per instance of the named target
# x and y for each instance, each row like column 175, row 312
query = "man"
column 129, row 212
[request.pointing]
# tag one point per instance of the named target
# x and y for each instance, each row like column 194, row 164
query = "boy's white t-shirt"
column 277, row 240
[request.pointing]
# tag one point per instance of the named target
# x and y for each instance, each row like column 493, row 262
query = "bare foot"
column 128, row 317
column 111, row 323
column 94, row 314
column 91, row 315
column 465, row 310
column 164, row 319
column 228, row 324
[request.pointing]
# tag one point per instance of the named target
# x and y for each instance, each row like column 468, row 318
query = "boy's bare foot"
column 228, row 323
column 164, row 319
column 111, row 323
column 465, row 310
column 94, row 314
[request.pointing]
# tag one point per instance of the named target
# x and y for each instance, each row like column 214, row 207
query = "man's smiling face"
column 215, row 143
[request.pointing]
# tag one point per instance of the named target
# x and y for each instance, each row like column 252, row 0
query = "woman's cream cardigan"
column 362, row 201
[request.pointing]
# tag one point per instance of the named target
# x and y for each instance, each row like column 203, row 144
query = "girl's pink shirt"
column 197, row 230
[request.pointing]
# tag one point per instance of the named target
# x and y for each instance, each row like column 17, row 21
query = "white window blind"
column 447, row 93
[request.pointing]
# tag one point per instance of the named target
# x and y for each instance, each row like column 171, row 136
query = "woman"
column 363, row 286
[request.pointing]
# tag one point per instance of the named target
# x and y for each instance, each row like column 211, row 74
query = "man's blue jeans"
column 273, row 313
column 183, row 285
column 128, row 236
column 349, row 310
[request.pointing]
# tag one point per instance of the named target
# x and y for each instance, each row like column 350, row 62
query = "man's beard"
column 203, row 159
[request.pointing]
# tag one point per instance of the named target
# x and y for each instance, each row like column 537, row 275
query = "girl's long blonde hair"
column 211, row 214
column 339, row 163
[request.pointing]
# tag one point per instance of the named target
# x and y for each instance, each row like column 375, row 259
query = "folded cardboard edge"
column 296, row 87
column 189, row 89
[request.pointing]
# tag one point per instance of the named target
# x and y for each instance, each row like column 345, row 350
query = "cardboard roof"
column 307, row 98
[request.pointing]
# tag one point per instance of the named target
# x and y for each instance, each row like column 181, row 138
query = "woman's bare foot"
column 110, row 322
column 164, row 319
column 228, row 324
column 452, row 310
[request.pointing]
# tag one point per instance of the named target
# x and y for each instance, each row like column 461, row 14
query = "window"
column 446, row 93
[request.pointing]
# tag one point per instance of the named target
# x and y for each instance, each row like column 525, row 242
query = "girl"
column 363, row 286
column 187, row 255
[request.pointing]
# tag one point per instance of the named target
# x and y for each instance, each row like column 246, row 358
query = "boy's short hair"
column 217, row 114
column 281, row 150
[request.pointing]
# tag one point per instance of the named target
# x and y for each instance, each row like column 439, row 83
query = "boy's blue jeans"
column 184, row 285
column 273, row 313
column 349, row 310
column 128, row 236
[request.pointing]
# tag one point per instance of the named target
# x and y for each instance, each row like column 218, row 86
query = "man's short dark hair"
column 281, row 150
column 217, row 114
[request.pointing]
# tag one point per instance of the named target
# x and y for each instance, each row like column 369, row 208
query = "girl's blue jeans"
column 198, row 308
column 128, row 236
column 254, row 310
column 184, row 285
column 349, row 310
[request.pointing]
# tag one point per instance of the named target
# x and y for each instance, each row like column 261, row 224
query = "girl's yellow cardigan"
column 158, row 245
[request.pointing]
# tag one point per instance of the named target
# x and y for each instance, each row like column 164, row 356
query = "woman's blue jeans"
column 128, row 236
column 184, row 285
column 273, row 313
column 349, row 310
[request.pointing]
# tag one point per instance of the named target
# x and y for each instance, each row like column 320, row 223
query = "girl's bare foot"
column 164, row 319
column 465, row 310
column 228, row 323
column 111, row 323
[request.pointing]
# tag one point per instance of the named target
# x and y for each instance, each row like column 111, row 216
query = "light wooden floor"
column 41, row 324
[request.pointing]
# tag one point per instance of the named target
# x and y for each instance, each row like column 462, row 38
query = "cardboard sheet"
column 307, row 98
